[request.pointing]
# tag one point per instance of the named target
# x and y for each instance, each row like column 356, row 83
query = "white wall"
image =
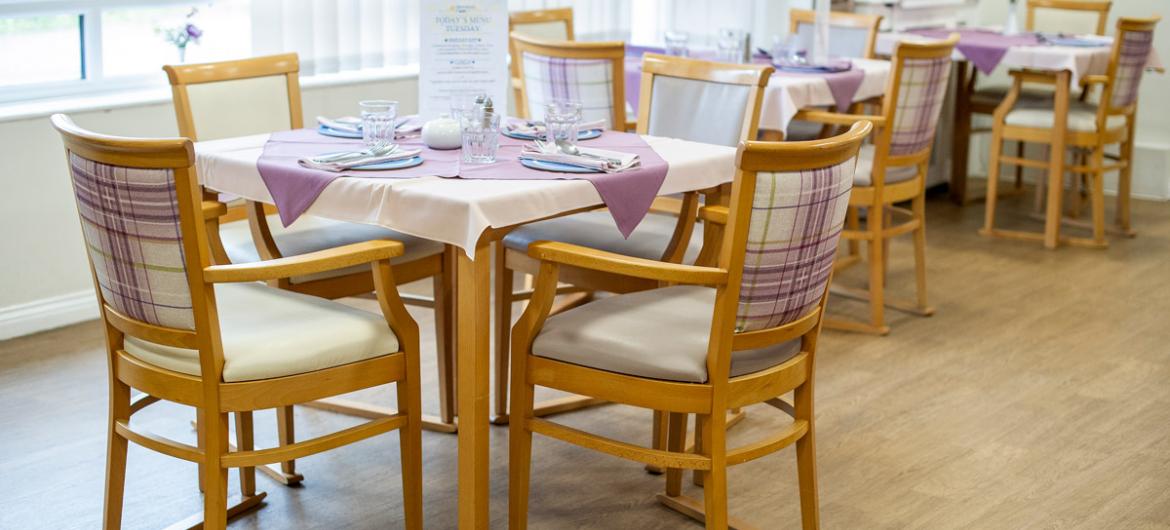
column 44, row 280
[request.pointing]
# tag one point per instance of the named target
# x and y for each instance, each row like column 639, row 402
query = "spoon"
column 570, row 149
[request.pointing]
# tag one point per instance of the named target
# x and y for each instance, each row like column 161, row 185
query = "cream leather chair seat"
column 1081, row 117
column 661, row 334
column 864, row 174
column 268, row 332
column 311, row 233
column 596, row 229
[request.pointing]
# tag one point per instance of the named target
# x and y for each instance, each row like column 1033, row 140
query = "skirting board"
column 47, row 313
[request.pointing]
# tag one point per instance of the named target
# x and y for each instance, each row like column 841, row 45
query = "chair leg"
column 202, row 445
column 519, row 445
column 1097, row 194
column 503, row 324
column 116, row 456
column 1076, row 189
column 410, row 445
column 1042, row 184
column 215, row 476
column 853, row 223
column 1124, row 181
column 715, row 479
column 445, row 341
column 286, row 435
column 993, row 181
column 244, row 442
column 918, row 205
column 697, row 475
column 877, row 271
column 1019, row 169
column 659, row 429
column 676, row 442
column 806, row 459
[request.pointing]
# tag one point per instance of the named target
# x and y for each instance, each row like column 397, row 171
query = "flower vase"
column 182, row 54
column 1012, row 26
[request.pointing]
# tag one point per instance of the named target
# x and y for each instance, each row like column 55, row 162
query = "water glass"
column 378, row 117
column 561, row 122
column 676, row 43
column 481, row 137
column 466, row 104
column 730, row 46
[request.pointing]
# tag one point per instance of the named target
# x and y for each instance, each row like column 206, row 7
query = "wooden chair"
column 262, row 94
column 730, row 96
column 731, row 335
column 851, row 35
column 211, row 337
column 893, row 170
column 598, row 80
column 1081, row 125
column 984, row 100
column 543, row 24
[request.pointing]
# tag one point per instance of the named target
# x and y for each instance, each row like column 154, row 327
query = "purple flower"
column 194, row 32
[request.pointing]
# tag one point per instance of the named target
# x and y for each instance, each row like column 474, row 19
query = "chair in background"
column 542, row 24
column 260, row 95
column 208, row 336
column 591, row 73
column 984, row 100
column 893, row 170
column 730, row 96
column 851, row 35
column 1082, row 125
column 741, row 332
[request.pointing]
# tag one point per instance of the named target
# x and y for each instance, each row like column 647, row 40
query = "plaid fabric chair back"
column 588, row 81
column 1131, row 63
column 919, row 100
column 795, row 224
column 130, row 222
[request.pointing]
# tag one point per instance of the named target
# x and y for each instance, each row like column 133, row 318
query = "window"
column 57, row 41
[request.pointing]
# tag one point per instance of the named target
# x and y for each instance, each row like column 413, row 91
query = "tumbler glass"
column 481, row 137
column 378, row 117
column 561, row 121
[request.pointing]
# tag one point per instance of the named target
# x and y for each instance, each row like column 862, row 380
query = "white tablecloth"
column 785, row 95
column 454, row 211
column 1079, row 61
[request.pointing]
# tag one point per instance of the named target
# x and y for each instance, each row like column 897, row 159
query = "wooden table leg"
column 961, row 139
column 1056, row 163
column 472, row 292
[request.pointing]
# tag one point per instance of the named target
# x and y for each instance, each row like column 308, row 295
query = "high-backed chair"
column 590, row 73
column 741, row 332
column 730, row 96
column 1087, row 126
column 212, row 337
column 260, row 95
column 850, row 35
column 893, row 170
column 542, row 24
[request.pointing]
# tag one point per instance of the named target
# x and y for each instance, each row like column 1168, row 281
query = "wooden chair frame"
column 870, row 23
column 506, row 260
column 879, row 198
column 437, row 267
column 1099, row 7
column 614, row 52
column 213, row 398
column 708, row 400
column 1058, row 138
column 537, row 16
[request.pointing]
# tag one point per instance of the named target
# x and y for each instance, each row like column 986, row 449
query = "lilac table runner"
column 984, row 48
column 293, row 188
column 842, row 85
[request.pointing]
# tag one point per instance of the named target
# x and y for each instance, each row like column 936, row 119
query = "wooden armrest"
column 302, row 264
column 600, row 260
column 714, row 214
column 1094, row 80
column 213, row 210
column 667, row 205
column 822, row 116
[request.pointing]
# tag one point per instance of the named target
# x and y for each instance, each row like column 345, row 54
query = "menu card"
column 463, row 52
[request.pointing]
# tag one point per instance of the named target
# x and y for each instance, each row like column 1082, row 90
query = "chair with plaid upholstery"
column 214, row 338
column 591, row 73
column 1087, row 127
column 740, row 332
column 544, row 24
column 729, row 97
column 893, row 170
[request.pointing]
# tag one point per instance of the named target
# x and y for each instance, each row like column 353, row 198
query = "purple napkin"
column 627, row 194
column 984, row 48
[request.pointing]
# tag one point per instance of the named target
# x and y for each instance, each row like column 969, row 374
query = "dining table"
column 468, row 215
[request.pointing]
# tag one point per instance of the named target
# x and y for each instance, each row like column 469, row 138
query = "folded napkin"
column 334, row 163
column 597, row 159
column 352, row 124
column 536, row 128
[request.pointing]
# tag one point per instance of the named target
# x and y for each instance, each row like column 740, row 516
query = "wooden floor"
column 1037, row 397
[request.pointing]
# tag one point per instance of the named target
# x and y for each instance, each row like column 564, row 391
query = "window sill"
column 27, row 110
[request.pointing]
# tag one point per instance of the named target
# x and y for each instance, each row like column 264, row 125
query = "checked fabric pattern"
column 130, row 221
column 1135, row 53
column 588, row 81
column 792, row 238
column 920, row 98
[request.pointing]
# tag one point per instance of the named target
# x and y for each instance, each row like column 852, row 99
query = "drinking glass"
column 378, row 117
column 730, row 45
column 561, row 121
column 676, row 43
column 465, row 104
column 481, row 137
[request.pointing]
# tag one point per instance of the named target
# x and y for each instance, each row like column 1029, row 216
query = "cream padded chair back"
column 699, row 111
column 240, row 107
column 543, row 24
column 544, row 30
column 843, row 41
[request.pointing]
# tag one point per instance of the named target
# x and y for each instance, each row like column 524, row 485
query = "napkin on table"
column 536, row 128
column 359, row 159
column 618, row 161
column 353, row 124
